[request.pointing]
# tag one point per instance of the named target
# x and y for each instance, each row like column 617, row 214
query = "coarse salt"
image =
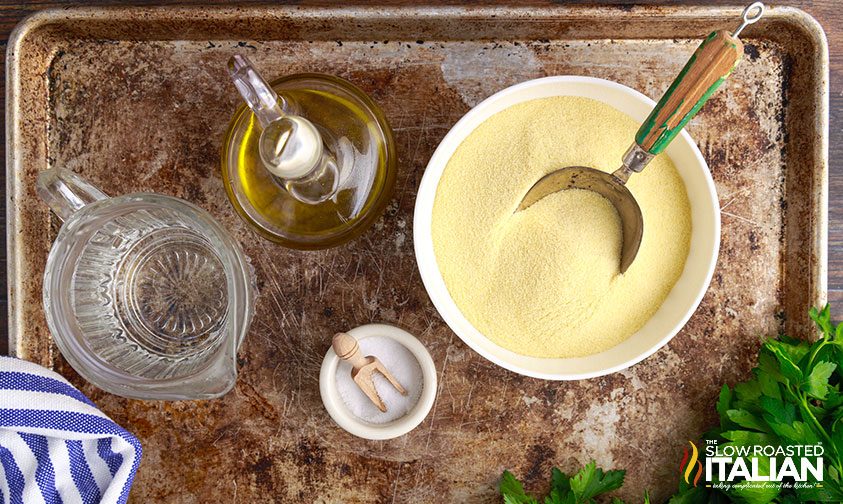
column 397, row 359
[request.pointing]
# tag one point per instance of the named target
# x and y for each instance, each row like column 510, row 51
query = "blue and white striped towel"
column 55, row 445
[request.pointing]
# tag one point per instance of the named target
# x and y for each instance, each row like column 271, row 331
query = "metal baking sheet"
column 138, row 99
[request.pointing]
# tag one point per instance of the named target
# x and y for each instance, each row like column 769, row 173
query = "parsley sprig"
column 581, row 488
column 793, row 398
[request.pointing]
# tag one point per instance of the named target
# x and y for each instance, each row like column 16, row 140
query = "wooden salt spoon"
column 347, row 348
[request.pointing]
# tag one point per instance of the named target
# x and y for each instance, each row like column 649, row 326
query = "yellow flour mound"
column 545, row 281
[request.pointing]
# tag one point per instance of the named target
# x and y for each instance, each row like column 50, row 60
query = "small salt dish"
column 340, row 411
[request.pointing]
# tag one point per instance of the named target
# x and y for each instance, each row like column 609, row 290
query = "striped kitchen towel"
column 55, row 445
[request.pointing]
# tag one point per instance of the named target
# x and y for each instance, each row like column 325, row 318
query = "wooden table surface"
column 827, row 12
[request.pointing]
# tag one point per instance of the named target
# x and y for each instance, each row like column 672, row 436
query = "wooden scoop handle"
column 712, row 62
column 347, row 348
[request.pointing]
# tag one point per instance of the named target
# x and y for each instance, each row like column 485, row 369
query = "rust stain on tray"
column 132, row 109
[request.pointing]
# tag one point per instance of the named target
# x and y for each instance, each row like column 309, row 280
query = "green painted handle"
column 712, row 62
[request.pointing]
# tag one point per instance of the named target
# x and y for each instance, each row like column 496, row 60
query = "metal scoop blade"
column 711, row 63
column 605, row 184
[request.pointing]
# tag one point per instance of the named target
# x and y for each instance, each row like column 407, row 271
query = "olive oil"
column 356, row 134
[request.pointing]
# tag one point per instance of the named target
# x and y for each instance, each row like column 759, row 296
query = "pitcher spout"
column 66, row 192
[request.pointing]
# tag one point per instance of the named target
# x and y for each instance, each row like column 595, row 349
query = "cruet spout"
column 258, row 94
column 66, row 192
column 290, row 146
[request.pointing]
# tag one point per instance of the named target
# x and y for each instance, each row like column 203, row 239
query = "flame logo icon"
column 690, row 462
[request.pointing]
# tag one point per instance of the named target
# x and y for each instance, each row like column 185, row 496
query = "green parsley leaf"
column 746, row 419
column 834, row 399
column 748, row 391
column 691, row 495
column 742, row 437
column 556, row 497
column 769, row 385
column 592, row 481
column 769, row 366
column 798, row 432
column 825, row 493
column 792, row 398
column 777, row 411
column 787, row 359
column 560, row 481
column 513, row 491
column 816, row 385
column 588, row 483
column 823, row 319
column 745, row 491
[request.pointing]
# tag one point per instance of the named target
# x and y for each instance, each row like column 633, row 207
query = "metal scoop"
column 712, row 62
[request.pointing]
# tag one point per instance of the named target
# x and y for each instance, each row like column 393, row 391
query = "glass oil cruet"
column 309, row 160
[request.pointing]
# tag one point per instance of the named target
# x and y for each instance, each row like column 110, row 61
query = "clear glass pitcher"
column 145, row 294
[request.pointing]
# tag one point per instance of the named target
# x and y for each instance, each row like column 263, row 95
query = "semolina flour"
column 545, row 281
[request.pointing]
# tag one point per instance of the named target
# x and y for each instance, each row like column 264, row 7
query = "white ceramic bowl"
column 360, row 428
column 679, row 304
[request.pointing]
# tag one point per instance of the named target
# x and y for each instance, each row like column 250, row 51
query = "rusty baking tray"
column 138, row 100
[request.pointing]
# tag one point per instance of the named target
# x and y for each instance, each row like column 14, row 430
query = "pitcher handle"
column 66, row 192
